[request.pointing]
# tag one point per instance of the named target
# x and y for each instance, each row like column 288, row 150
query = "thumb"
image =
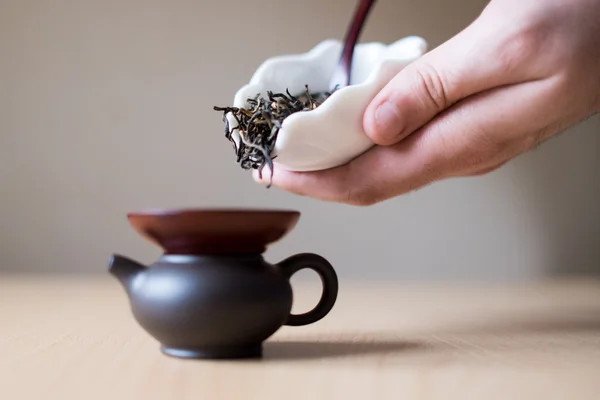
column 466, row 64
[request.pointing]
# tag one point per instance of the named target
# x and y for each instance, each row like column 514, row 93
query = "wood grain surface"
column 74, row 338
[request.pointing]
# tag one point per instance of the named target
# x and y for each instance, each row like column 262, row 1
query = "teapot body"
column 211, row 306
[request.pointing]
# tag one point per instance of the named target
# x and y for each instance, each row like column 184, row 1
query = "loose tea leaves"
column 259, row 123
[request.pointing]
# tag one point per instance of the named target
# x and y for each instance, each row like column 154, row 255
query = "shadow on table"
column 438, row 341
column 310, row 350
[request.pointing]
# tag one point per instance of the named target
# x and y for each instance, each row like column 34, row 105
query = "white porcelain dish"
column 332, row 134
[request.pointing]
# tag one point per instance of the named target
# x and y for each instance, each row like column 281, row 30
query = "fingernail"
column 387, row 120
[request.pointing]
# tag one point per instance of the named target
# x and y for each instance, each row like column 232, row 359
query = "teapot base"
column 227, row 352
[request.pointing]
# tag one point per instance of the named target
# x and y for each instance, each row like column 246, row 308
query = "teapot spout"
column 125, row 270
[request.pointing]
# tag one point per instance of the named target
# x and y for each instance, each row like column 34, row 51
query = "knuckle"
column 341, row 186
column 350, row 188
column 363, row 194
column 530, row 142
column 430, row 83
column 484, row 148
column 442, row 150
column 488, row 169
column 492, row 150
column 488, row 144
column 360, row 196
column 518, row 48
column 533, row 140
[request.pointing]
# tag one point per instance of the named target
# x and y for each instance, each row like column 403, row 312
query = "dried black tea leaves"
column 258, row 124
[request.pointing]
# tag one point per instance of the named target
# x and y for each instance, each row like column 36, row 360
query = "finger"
column 364, row 180
column 326, row 185
column 475, row 60
column 483, row 132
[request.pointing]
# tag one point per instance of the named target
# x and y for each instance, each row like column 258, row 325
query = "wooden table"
column 74, row 338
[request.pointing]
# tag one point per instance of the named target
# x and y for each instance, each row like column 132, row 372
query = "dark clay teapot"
column 212, row 294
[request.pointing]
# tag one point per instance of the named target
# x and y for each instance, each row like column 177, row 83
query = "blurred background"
column 106, row 107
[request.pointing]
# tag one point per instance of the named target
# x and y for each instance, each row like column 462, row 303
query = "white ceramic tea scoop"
column 331, row 134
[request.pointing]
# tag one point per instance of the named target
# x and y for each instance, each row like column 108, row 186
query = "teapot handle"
column 321, row 266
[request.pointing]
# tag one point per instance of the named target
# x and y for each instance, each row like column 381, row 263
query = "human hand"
column 522, row 72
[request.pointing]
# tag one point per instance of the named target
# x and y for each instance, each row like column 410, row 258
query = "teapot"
column 212, row 294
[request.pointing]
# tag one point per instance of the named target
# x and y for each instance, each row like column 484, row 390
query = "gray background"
column 106, row 107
